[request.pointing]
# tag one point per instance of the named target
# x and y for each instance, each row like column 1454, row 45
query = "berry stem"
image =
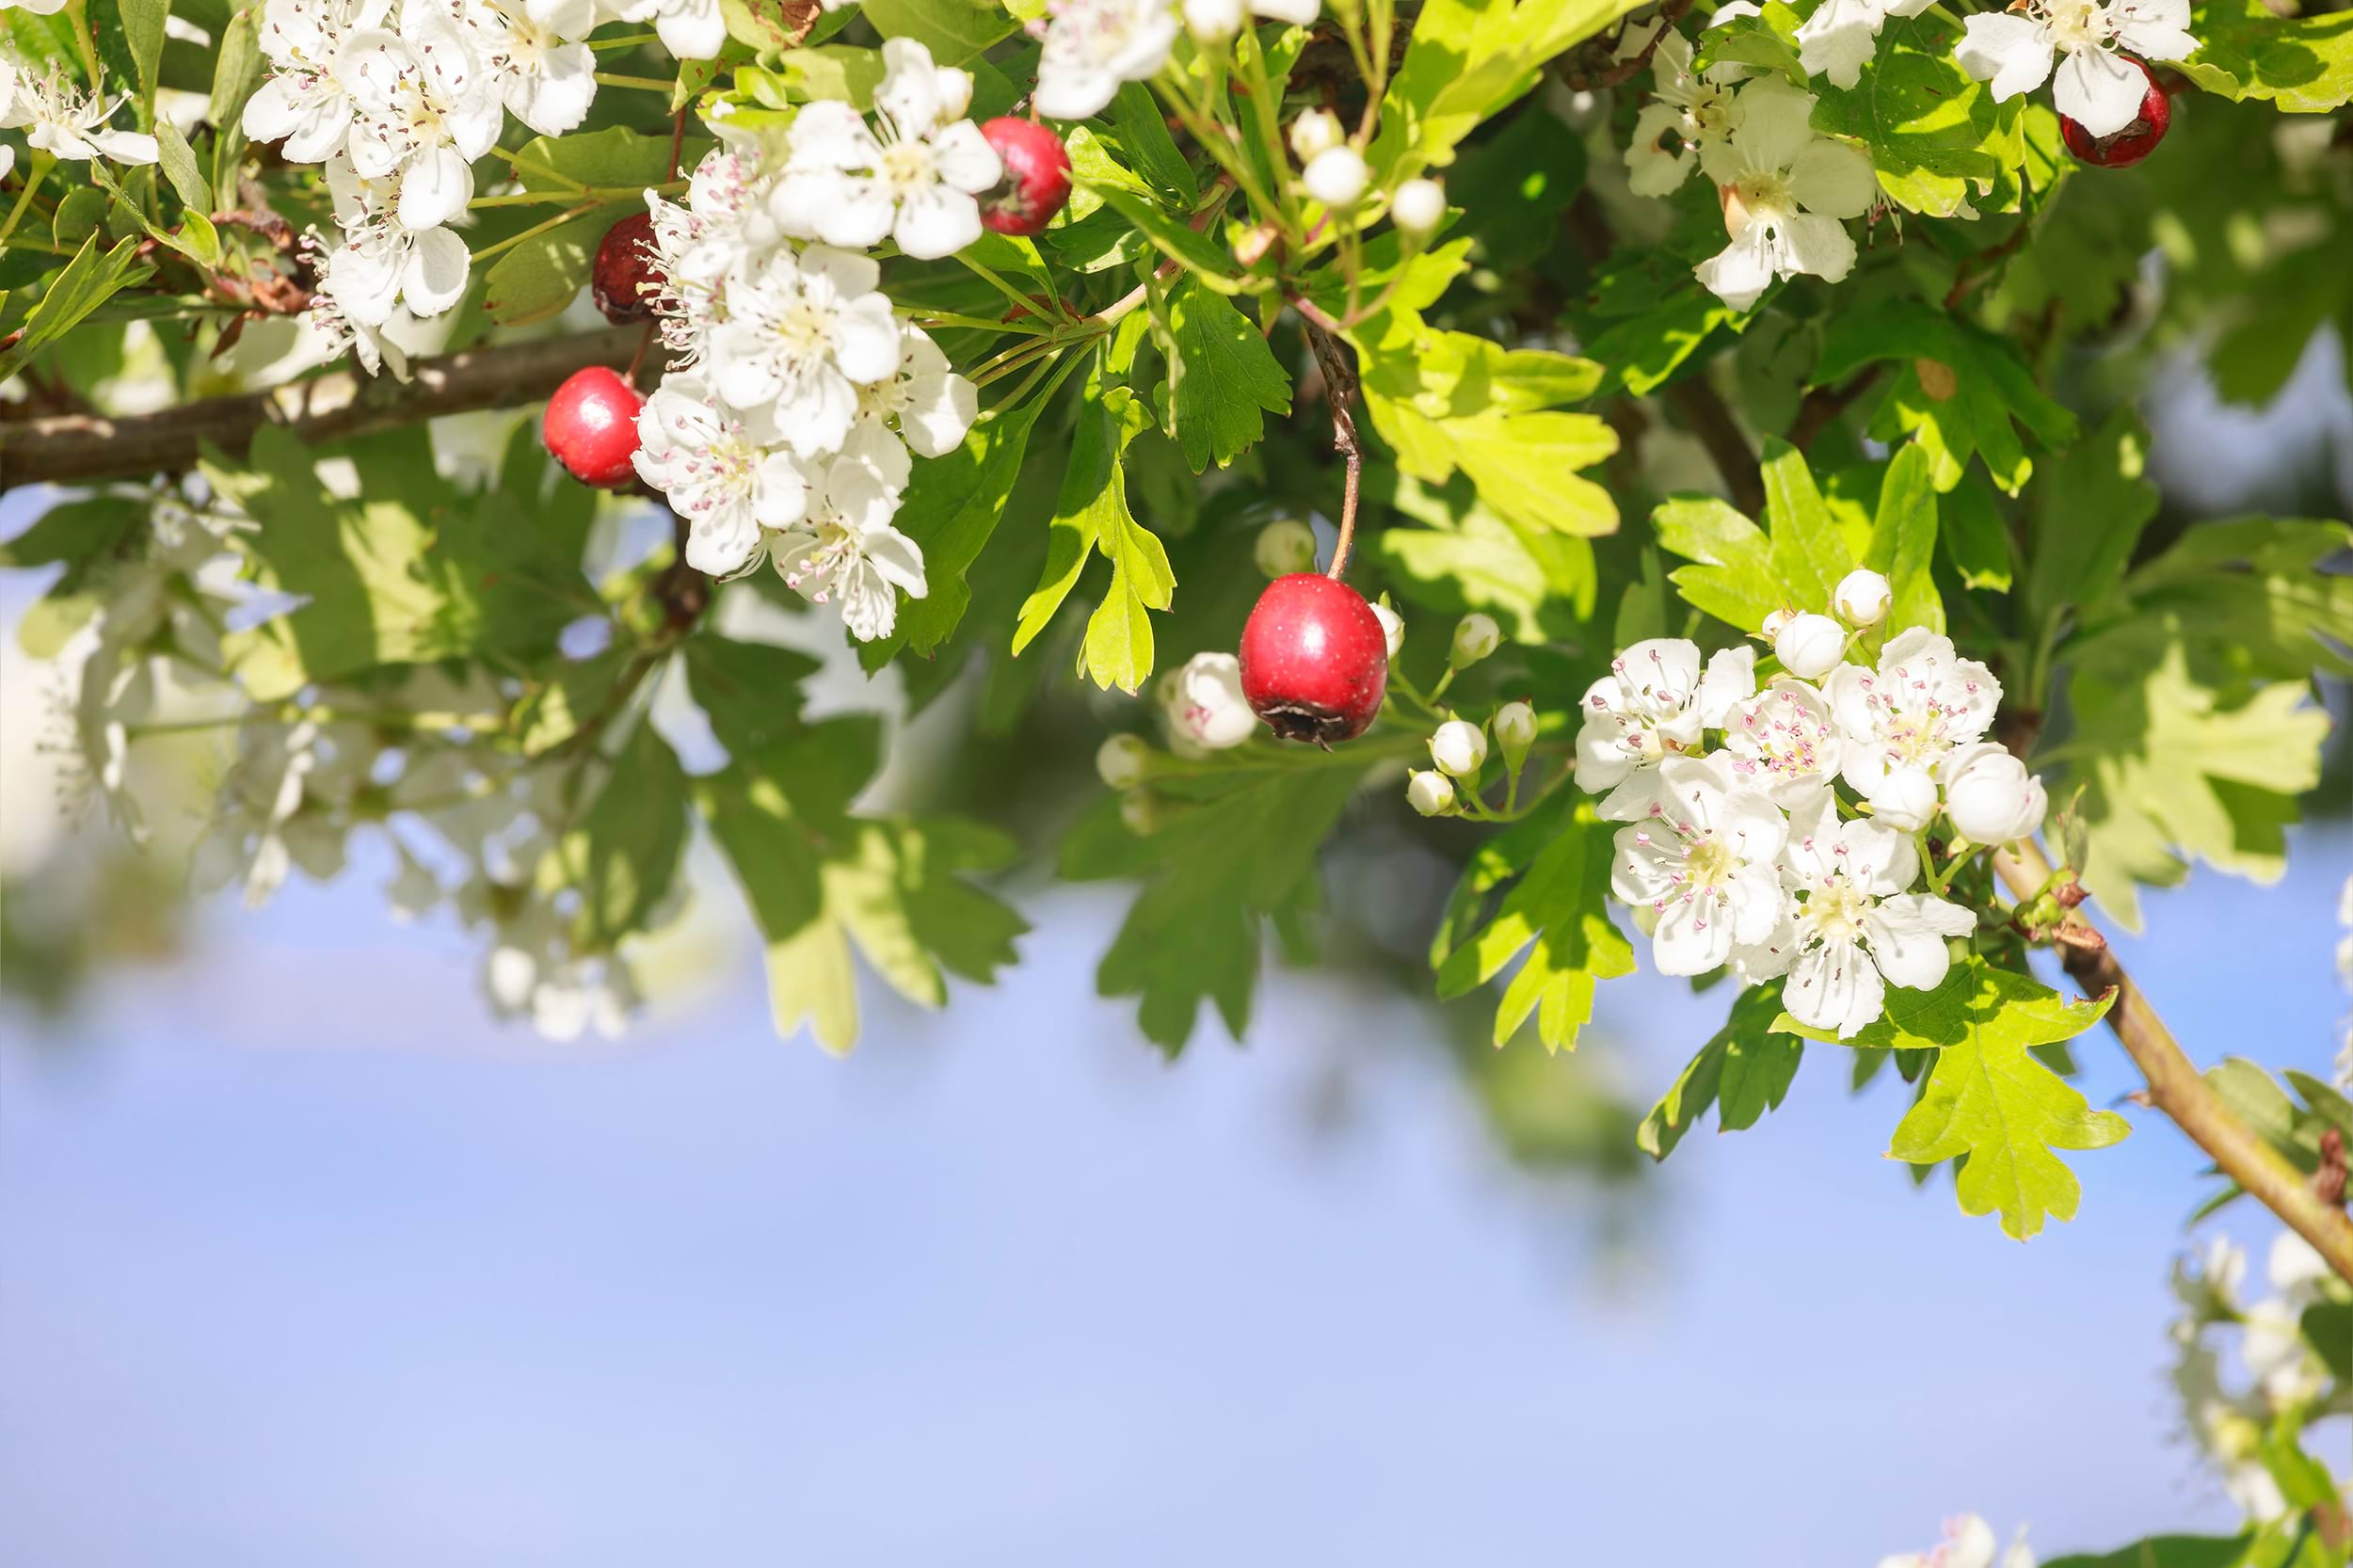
column 1339, row 386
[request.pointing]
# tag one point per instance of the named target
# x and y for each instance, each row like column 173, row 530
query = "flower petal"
column 2098, row 90
column 2012, row 52
column 1907, row 937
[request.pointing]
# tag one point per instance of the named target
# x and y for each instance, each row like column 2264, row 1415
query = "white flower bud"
column 1516, row 732
column 1315, row 133
column 1141, row 810
column 1212, row 21
column 1773, row 623
column 1862, row 598
column 1476, row 635
column 1205, row 704
column 1905, row 799
column 956, row 92
column 1285, row 546
column 1988, row 795
column 1810, row 645
column 1459, row 747
column 1418, row 206
column 1122, row 760
column 1392, row 627
column 1430, row 794
column 1299, row 14
column 1336, row 178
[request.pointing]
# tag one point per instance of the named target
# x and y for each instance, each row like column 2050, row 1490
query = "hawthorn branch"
column 1339, row 390
column 73, row 448
column 2175, row 1085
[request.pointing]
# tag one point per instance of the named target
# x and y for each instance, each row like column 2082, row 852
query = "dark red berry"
column 2123, row 149
column 1037, row 176
column 591, row 428
column 1315, row 660
column 624, row 276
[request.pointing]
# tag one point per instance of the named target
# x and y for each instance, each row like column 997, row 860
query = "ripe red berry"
column 624, row 273
column 2123, row 149
column 591, row 428
column 1315, row 660
column 1037, row 176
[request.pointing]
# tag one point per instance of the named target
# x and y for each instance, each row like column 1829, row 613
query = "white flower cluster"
column 1088, row 47
column 60, row 119
column 2228, row 1425
column 785, row 427
column 1786, row 191
column 1969, row 1542
column 1741, row 853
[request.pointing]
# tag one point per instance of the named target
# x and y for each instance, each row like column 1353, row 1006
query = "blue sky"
column 308, row 1262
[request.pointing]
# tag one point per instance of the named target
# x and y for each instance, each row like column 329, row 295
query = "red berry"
column 1037, row 176
column 2123, row 149
column 591, row 428
column 1315, row 660
column 624, row 273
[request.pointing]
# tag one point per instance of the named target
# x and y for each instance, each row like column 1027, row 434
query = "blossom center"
column 1760, row 196
column 1710, row 863
column 803, row 329
column 2076, row 24
column 906, row 166
column 1836, row 909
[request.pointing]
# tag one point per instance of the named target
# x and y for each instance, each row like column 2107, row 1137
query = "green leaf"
column 1988, row 1097
column 2094, row 504
column 1809, row 552
column 179, row 164
column 2303, row 65
column 769, row 24
column 1735, row 581
column 1977, row 385
column 623, row 853
column 953, row 505
column 384, row 579
column 142, row 24
column 235, row 74
column 1469, row 59
column 539, row 278
column 1091, row 513
column 1151, row 150
column 1937, row 140
column 1744, row 1070
column 1903, row 541
column 954, row 30
column 1538, row 585
column 1219, row 866
column 1222, row 379
column 1203, row 259
column 1974, row 540
column 87, row 281
column 2170, row 1551
column 1557, row 913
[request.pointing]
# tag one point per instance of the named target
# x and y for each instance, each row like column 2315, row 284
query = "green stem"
column 1269, row 112
column 927, row 317
column 534, row 230
column 76, row 13
column 628, row 40
column 1177, row 95
column 642, row 84
column 35, row 172
column 998, row 281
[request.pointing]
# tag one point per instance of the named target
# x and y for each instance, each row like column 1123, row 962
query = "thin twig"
column 2175, row 1085
column 1718, row 431
column 1823, row 404
column 1339, row 390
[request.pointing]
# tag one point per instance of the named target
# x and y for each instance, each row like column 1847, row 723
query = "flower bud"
column 1205, row 704
column 1904, row 800
column 1316, row 132
column 1285, row 546
column 1392, row 627
column 1212, row 21
column 1430, row 794
column 1141, row 810
column 1336, row 177
column 1459, row 747
column 1774, row 622
column 1988, row 796
column 1810, row 645
column 1862, row 598
column 1516, row 732
column 1476, row 635
column 1418, row 206
column 1299, row 14
column 1122, row 760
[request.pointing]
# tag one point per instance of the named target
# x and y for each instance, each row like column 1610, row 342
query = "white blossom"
column 1694, row 109
column 1969, row 1542
column 845, row 552
column 929, row 404
column 1841, row 36
column 1516, row 732
column 1784, row 191
column 1393, row 631
column 690, row 29
column 1121, row 761
column 1460, row 748
column 2097, row 86
column 915, row 176
column 1653, row 705
column 1476, row 637
column 67, row 124
column 1989, row 797
column 1700, row 857
column 1901, row 719
column 1783, row 741
column 382, row 264
column 1857, row 930
column 1863, row 596
column 1214, row 21
column 536, row 57
column 1431, row 793
column 1419, row 206
column 802, row 335
column 1299, row 14
column 1336, row 177
column 424, row 109
column 1204, row 705
column 304, row 102
column 727, row 487
column 1093, row 45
